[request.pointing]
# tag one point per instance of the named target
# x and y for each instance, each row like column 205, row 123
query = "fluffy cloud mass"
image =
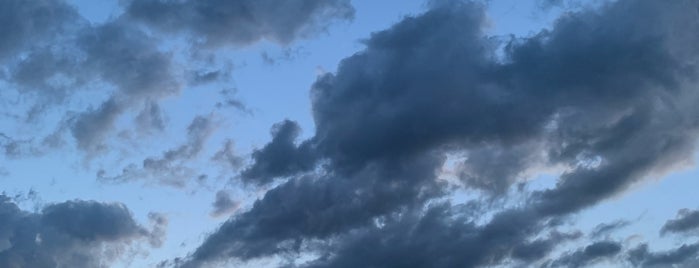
column 69, row 234
column 605, row 95
column 427, row 145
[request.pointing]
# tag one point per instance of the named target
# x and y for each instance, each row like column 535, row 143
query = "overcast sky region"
column 349, row 133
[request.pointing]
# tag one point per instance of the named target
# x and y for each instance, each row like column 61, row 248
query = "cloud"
column 529, row 252
column 227, row 156
column 592, row 253
column 27, row 23
column 687, row 221
column 604, row 229
column 224, row 205
column 159, row 231
column 219, row 23
column 172, row 166
column 128, row 59
column 320, row 207
column 70, row 234
column 91, row 127
column 684, row 256
column 12, row 147
column 280, row 157
column 441, row 236
column 151, row 118
column 51, row 55
column 606, row 95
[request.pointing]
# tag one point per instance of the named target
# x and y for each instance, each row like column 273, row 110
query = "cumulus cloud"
column 240, row 22
column 70, row 234
column 605, row 95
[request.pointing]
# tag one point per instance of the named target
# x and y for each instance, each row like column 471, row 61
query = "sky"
column 349, row 133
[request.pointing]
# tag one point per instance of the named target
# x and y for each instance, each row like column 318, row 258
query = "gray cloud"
column 281, row 156
column 171, row 168
column 28, row 23
column 441, row 236
column 69, row 234
column 51, row 53
column 319, row 207
column 592, row 253
column 151, row 118
column 683, row 256
column 227, row 156
column 604, row 229
column 224, row 205
column 159, row 231
column 535, row 250
column 129, row 59
column 605, row 95
column 240, row 22
column 91, row 127
column 12, row 147
column 687, row 221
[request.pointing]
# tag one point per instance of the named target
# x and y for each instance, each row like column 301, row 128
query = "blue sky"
column 113, row 104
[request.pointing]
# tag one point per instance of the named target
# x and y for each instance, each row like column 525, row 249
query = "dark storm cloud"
column 281, row 157
column 171, row 168
column 607, row 95
column 592, row 253
column 240, row 22
column 686, row 221
column 683, row 256
column 70, row 234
